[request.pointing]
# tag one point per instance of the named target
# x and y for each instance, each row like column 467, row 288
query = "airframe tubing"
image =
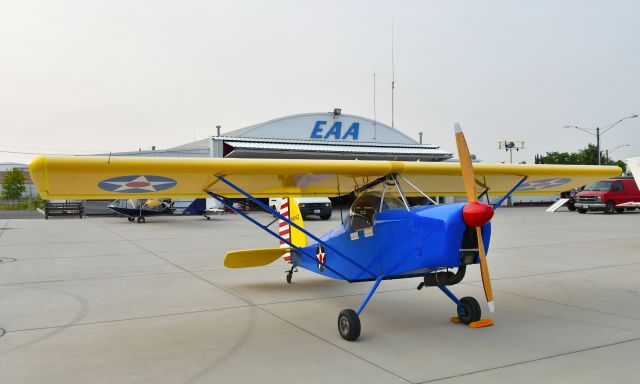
column 291, row 223
column 505, row 197
column 449, row 294
column 266, row 229
column 370, row 294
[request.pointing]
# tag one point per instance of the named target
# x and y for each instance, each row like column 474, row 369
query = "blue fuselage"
column 400, row 243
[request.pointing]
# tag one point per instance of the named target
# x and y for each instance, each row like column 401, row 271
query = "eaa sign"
column 320, row 131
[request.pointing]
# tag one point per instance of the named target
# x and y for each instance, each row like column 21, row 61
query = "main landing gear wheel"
column 131, row 218
column 349, row 325
column 469, row 310
column 141, row 220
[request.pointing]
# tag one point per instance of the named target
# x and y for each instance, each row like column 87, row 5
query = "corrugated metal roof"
column 282, row 145
column 321, row 143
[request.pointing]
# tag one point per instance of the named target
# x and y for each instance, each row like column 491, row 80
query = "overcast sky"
column 95, row 76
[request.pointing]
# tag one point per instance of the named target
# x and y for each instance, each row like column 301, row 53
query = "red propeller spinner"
column 476, row 214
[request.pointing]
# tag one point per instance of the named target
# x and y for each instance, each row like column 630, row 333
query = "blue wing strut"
column 279, row 216
column 266, row 229
column 505, row 197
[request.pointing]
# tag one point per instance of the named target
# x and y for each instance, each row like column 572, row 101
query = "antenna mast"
column 393, row 77
column 375, row 117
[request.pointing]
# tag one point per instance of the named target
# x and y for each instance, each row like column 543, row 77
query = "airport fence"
column 27, row 207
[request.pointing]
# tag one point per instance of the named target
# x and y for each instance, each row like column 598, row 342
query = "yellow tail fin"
column 253, row 257
column 289, row 208
column 298, row 238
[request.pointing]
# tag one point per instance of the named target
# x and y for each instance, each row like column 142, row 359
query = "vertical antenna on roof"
column 375, row 117
column 393, row 77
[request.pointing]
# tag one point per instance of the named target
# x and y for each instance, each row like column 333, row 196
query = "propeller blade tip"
column 457, row 128
column 491, row 306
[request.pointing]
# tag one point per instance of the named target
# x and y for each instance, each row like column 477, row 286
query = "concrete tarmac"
column 103, row 300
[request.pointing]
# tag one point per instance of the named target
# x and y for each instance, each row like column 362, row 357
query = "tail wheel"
column 469, row 310
column 609, row 208
column 349, row 325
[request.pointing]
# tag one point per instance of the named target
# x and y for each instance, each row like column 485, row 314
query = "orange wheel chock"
column 476, row 324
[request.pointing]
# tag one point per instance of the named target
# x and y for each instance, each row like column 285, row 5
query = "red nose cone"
column 477, row 214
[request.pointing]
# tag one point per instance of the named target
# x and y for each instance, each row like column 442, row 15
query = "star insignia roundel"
column 322, row 257
column 543, row 184
column 137, row 184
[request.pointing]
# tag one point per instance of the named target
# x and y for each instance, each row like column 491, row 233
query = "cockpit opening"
column 362, row 210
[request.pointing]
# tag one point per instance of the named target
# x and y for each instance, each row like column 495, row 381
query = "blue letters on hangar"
column 323, row 135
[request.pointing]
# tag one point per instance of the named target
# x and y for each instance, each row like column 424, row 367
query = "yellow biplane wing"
column 88, row 177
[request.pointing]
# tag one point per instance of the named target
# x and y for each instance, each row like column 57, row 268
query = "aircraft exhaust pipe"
column 443, row 278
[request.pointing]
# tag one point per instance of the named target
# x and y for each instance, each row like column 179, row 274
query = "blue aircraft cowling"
column 400, row 243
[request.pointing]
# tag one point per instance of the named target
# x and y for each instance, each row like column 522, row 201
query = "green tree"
column 586, row 156
column 13, row 184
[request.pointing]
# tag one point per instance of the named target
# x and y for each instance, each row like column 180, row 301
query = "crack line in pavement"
column 250, row 325
column 3, row 228
column 252, row 304
column 129, row 319
column 334, row 345
column 531, row 361
column 563, row 304
column 88, row 278
column 563, row 243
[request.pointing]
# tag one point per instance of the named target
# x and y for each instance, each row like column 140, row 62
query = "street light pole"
column 598, row 143
column 598, row 133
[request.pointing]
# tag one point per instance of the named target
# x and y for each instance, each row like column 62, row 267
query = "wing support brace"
column 505, row 197
column 266, row 229
column 291, row 223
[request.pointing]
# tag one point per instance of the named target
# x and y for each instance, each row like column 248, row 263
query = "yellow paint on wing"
column 77, row 177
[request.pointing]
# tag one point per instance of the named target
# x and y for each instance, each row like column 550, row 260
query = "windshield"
column 599, row 186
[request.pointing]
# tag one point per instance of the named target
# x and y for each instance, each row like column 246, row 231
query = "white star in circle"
column 150, row 185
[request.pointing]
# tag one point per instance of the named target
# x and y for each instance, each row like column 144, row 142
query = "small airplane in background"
column 383, row 237
column 139, row 209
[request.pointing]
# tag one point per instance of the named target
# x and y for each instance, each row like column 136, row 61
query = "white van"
column 319, row 206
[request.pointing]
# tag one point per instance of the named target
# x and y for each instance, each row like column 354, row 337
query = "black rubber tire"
column 141, row 220
column 571, row 207
column 325, row 217
column 609, row 208
column 131, row 218
column 619, row 210
column 582, row 210
column 470, row 310
column 349, row 325
column 289, row 276
column 208, row 218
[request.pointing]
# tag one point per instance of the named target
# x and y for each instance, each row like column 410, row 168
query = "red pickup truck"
column 606, row 195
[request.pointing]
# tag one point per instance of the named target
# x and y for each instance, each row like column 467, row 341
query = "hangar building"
column 324, row 135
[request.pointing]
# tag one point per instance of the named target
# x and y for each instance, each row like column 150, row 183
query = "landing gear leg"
column 349, row 320
column 468, row 310
column 290, row 273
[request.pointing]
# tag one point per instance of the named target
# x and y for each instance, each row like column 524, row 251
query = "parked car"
column 606, row 195
column 319, row 206
column 571, row 195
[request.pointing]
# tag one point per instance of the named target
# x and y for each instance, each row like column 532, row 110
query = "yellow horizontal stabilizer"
column 253, row 257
